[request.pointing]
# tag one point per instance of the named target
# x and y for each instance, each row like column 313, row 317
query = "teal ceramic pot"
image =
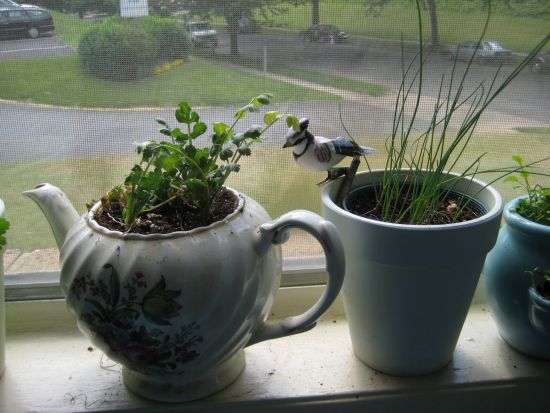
column 2, row 312
column 522, row 315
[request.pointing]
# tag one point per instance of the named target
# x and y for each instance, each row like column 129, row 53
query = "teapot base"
column 177, row 389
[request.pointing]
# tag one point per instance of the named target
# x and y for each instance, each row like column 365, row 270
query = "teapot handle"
column 277, row 232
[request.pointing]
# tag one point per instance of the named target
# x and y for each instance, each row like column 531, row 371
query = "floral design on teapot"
column 135, row 321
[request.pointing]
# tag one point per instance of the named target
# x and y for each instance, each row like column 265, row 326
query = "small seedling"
column 536, row 206
column 4, row 226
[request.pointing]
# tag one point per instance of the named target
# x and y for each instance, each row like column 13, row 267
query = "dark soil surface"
column 544, row 289
column 365, row 205
column 175, row 216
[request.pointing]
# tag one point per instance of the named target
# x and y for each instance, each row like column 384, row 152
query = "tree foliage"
column 82, row 6
column 166, row 7
column 235, row 10
column 511, row 7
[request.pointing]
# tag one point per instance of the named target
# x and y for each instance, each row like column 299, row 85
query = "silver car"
column 11, row 3
column 485, row 51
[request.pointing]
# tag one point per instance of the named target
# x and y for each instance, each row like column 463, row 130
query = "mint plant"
column 177, row 172
column 4, row 226
column 536, row 206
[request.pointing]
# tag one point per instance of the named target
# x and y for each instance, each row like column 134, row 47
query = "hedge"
column 128, row 49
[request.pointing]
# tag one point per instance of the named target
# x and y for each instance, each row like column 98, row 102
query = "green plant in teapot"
column 178, row 185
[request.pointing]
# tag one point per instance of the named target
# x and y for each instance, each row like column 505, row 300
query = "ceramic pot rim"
column 2, row 208
column 491, row 212
column 90, row 221
column 538, row 300
column 515, row 220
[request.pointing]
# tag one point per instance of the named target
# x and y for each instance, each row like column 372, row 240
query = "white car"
column 202, row 33
column 12, row 3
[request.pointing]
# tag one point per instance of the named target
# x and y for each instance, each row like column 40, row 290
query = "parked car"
column 540, row 63
column 202, row 33
column 23, row 22
column 324, row 33
column 488, row 51
column 11, row 3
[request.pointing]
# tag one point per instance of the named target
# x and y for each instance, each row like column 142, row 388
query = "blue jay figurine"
column 321, row 154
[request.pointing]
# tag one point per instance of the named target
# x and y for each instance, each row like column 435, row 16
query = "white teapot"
column 177, row 310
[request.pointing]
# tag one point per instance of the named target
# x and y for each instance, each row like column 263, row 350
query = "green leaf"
column 517, row 159
column 194, row 181
column 168, row 162
column 237, row 139
column 198, row 129
column 241, row 113
column 220, row 128
column 264, row 98
column 511, row 178
column 4, row 226
column 194, row 117
column 226, row 154
column 234, row 167
column 293, row 121
column 166, row 131
column 271, row 117
column 182, row 112
column 178, row 135
column 245, row 151
column 162, row 122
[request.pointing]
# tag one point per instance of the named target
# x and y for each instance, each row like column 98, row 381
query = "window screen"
column 72, row 104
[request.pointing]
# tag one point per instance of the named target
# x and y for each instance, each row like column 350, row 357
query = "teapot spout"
column 57, row 208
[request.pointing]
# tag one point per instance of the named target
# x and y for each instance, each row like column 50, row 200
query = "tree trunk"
column 233, row 27
column 315, row 14
column 433, row 22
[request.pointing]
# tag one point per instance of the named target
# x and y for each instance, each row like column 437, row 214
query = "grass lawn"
column 62, row 81
column 398, row 18
column 269, row 176
column 70, row 28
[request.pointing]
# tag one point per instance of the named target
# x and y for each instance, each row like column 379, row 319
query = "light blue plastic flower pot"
column 408, row 288
column 522, row 317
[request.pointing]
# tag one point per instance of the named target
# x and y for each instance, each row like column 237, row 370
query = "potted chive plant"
column 4, row 226
column 417, row 232
column 517, row 270
column 172, row 274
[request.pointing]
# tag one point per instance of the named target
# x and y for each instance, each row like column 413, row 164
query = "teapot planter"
column 178, row 309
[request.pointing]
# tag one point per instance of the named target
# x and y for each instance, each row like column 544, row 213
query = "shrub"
column 123, row 49
column 174, row 42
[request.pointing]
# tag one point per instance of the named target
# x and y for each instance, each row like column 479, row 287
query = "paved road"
column 30, row 132
column 527, row 97
column 33, row 48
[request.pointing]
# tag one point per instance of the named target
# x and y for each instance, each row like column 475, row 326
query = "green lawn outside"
column 520, row 34
column 70, row 28
column 288, row 187
column 62, row 81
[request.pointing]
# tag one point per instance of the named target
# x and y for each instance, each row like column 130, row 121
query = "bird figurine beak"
column 287, row 144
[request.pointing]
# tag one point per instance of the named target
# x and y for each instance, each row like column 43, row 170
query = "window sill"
column 51, row 367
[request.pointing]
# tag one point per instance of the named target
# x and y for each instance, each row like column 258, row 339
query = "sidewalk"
column 46, row 260
column 18, row 261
